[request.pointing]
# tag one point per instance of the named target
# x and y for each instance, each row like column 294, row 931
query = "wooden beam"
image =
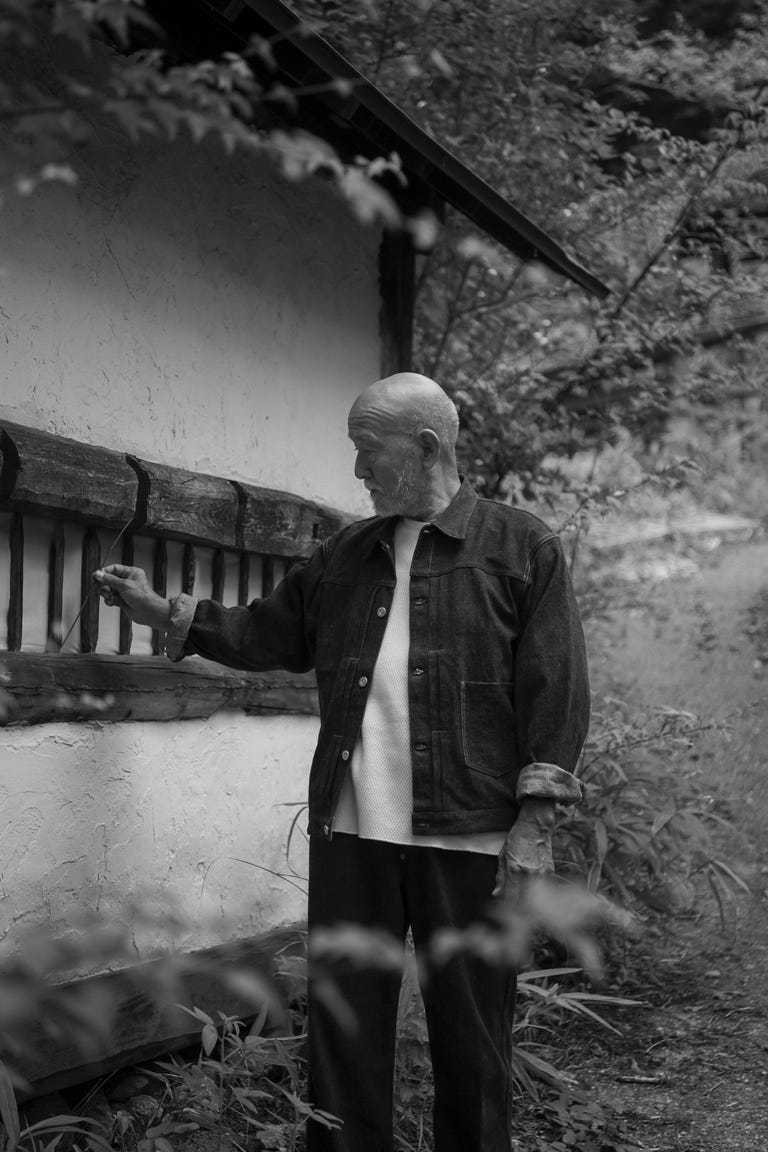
column 54, row 476
column 279, row 524
column 188, row 505
column 58, row 476
column 54, row 1051
column 49, row 687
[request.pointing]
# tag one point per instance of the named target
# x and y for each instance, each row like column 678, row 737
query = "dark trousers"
column 353, row 1010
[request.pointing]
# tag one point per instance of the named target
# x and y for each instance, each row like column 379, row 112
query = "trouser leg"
column 469, row 1003
column 352, row 1010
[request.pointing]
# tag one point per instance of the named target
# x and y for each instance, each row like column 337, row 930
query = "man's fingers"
column 110, row 596
column 123, row 571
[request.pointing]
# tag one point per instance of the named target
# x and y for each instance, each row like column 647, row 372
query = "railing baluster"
column 243, row 579
column 89, row 620
column 16, row 600
column 126, row 624
column 188, row 569
column 217, row 576
column 268, row 576
column 160, row 584
column 55, row 587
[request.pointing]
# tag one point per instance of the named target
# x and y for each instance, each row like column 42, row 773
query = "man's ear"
column 429, row 443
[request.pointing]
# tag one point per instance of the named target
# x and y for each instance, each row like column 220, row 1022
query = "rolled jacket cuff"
column 182, row 614
column 548, row 782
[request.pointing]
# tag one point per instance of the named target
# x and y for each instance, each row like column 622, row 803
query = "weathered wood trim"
column 396, row 290
column 59, row 476
column 147, row 1021
column 50, row 686
column 188, row 505
column 279, row 524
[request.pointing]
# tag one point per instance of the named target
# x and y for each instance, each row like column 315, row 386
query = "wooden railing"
column 68, row 508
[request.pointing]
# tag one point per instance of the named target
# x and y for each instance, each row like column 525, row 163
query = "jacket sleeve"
column 552, row 698
column 275, row 632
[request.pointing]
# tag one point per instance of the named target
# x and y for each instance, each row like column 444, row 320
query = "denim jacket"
column 498, row 692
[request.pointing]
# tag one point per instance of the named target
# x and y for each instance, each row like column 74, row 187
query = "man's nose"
column 361, row 468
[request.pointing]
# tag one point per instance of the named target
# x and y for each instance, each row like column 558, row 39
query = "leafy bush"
column 644, row 834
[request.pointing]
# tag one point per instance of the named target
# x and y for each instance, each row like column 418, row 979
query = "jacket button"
column 345, row 754
column 381, row 611
column 420, row 747
column 420, row 600
column 363, row 681
column 418, row 671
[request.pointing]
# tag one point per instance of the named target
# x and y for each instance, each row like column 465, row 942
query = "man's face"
column 389, row 463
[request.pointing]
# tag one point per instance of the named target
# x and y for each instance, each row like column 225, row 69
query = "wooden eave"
column 306, row 60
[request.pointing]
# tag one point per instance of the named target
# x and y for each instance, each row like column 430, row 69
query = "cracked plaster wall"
column 207, row 314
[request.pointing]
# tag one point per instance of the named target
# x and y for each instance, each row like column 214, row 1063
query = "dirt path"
column 691, row 1071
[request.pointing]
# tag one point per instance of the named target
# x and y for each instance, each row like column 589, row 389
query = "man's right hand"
column 128, row 588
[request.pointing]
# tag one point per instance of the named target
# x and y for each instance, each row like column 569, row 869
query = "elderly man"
column 452, row 680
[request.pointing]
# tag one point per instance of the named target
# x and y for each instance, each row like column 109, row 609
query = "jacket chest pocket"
column 488, row 727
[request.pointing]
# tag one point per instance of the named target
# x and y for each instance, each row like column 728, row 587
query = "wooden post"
column 55, row 587
column 268, row 576
column 217, row 581
column 89, row 620
column 188, row 569
column 160, row 584
column 243, row 579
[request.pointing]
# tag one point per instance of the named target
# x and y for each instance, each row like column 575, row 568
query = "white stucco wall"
column 193, row 309
column 208, row 315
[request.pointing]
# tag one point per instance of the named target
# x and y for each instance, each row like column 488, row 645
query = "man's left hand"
column 527, row 850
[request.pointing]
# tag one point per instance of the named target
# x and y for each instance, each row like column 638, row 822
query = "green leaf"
column 209, row 1038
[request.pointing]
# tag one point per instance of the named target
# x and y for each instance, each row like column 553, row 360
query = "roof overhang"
column 306, row 60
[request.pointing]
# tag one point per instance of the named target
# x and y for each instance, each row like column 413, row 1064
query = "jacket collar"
column 452, row 521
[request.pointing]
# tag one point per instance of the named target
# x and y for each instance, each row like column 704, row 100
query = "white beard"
column 403, row 500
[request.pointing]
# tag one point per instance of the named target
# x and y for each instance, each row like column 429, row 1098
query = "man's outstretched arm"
column 275, row 632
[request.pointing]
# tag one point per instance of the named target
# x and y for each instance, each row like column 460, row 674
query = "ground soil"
column 690, row 1070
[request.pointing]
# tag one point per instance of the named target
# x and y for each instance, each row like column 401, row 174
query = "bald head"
column 408, row 403
column 404, row 429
